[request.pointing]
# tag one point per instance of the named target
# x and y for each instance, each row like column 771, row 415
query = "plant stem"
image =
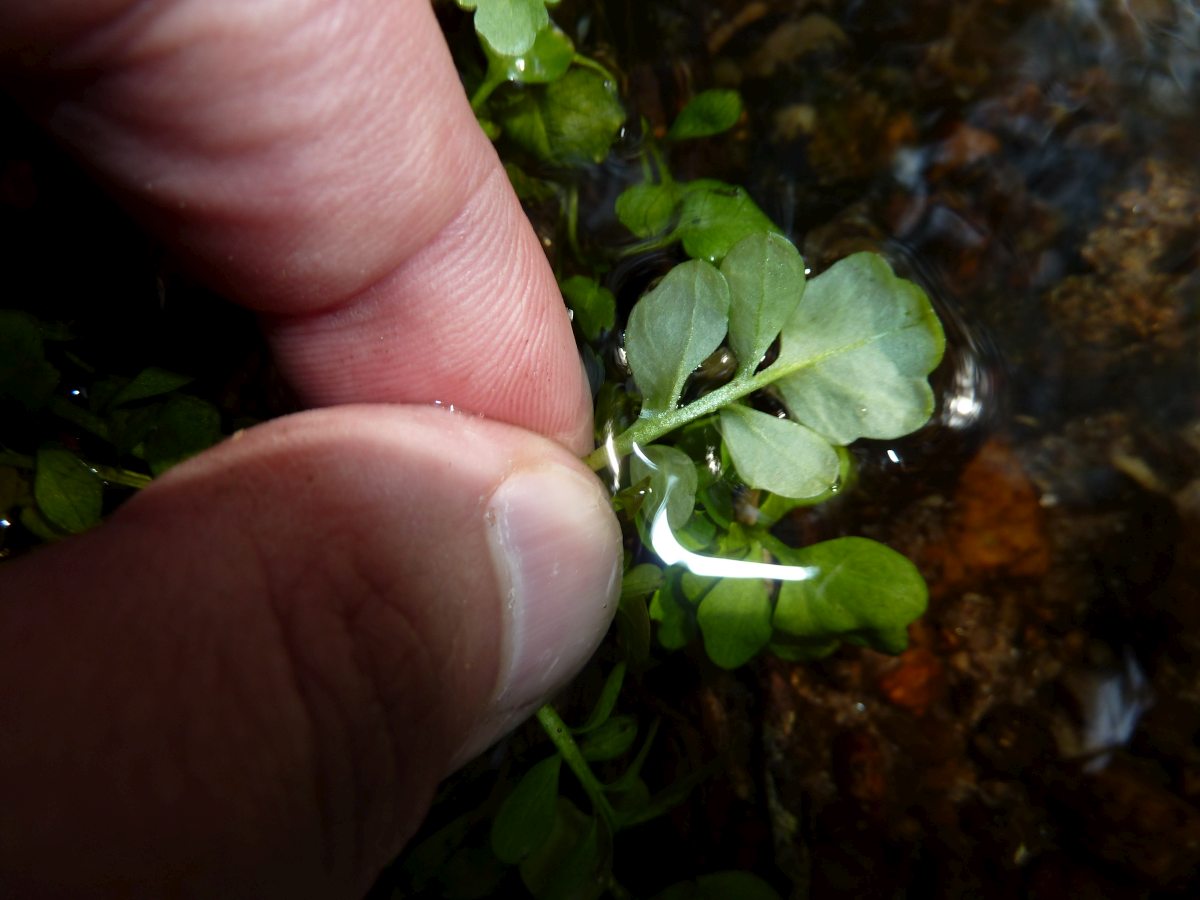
column 558, row 732
column 490, row 83
column 655, row 425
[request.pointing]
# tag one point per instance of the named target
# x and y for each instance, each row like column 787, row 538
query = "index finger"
column 318, row 161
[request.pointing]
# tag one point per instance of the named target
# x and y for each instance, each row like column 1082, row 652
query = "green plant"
column 702, row 468
column 739, row 384
column 64, row 452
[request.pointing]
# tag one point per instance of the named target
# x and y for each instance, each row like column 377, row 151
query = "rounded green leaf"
column 673, row 329
column 610, row 740
column 708, row 113
column 67, row 492
column 766, row 279
column 572, row 864
column 573, row 120
column 509, row 26
column 857, row 352
column 183, row 427
column 714, row 216
column 547, row 59
column 526, row 817
column 861, row 590
column 735, row 620
column 778, row 455
column 594, row 306
column 672, row 476
column 647, row 209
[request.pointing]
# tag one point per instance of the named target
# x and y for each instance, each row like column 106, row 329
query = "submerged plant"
column 702, row 468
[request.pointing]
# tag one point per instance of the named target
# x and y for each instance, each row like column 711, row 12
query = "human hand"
column 250, row 680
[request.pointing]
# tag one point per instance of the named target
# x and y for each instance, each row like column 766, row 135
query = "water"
column 1035, row 166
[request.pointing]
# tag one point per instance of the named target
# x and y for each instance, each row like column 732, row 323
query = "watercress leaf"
column 547, row 59
column 735, row 620
column 38, row 525
column 778, row 455
column 573, row 120
column 721, row 886
column 573, row 863
column 610, row 740
column 672, row 475
column 184, row 427
column 509, row 26
column 706, row 114
column 673, row 328
column 861, row 590
column 526, row 817
column 606, row 701
column 150, row 382
column 670, row 797
column 766, row 279
column 594, row 305
column 26, row 378
column 631, row 777
column 641, row 581
column 647, row 209
column 714, row 216
column 857, row 352
column 633, row 629
column 67, row 492
column 675, row 617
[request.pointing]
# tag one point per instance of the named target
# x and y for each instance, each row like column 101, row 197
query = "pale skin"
column 250, row 681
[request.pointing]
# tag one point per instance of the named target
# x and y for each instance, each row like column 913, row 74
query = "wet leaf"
column 673, row 328
column 571, row 865
column 860, row 591
column 647, row 209
column 766, row 280
column 858, row 350
column 735, row 620
column 708, row 113
column 183, row 427
column 606, row 701
column 674, row 615
column 633, row 614
column 610, row 740
column 510, row 27
column 67, row 492
column 714, row 216
column 594, row 306
column 526, row 817
column 778, row 455
column 547, row 59
column 672, row 475
column 150, row 382
column 570, row 121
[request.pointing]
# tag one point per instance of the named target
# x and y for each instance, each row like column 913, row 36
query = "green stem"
column 647, row 430
column 485, row 90
column 558, row 732
column 122, row 477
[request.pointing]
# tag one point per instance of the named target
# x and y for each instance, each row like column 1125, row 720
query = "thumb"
column 251, row 679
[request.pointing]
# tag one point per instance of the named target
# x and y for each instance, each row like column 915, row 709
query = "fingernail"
column 556, row 547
